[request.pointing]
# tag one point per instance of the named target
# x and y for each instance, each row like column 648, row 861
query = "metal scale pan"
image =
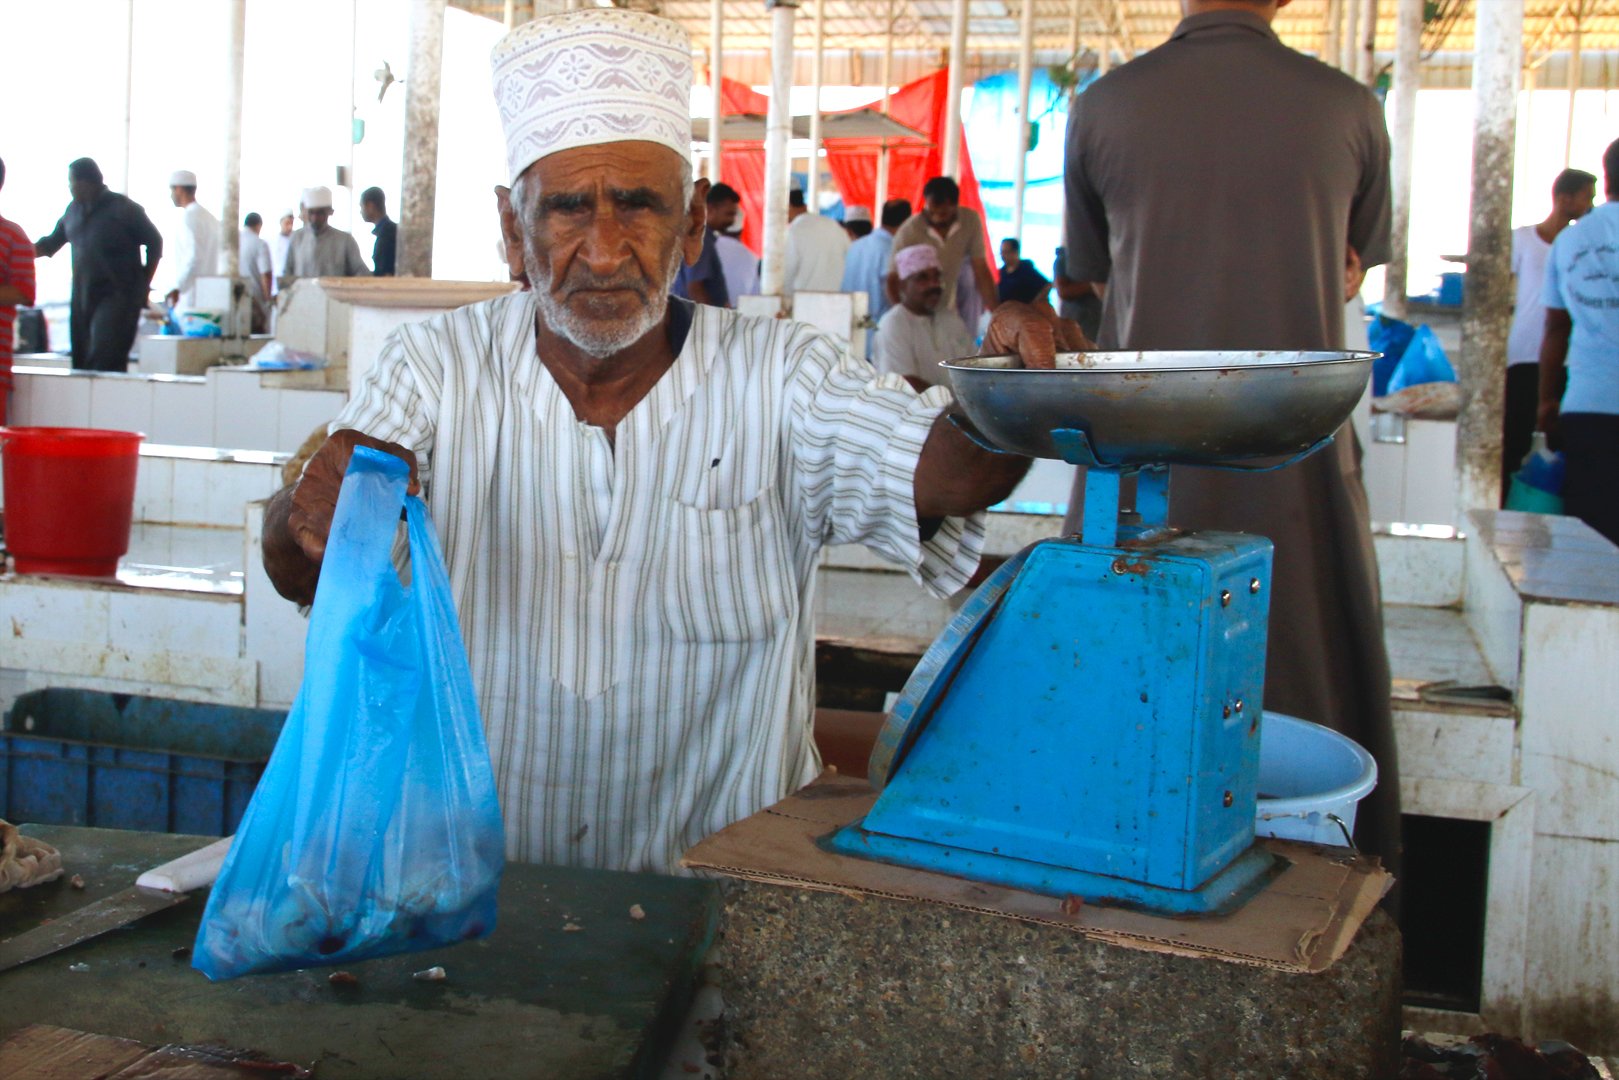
column 1088, row 723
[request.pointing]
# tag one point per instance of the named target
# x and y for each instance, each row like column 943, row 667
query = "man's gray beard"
column 594, row 337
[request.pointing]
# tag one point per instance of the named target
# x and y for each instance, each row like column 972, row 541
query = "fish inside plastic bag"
column 375, row 829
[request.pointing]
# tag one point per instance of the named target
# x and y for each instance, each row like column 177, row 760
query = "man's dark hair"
column 1016, row 246
column 375, row 197
column 1610, row 166
column 252, row 220
column 1573, row 181
column 941, row 189
column 722, row 193
column 795, row 197
column 84, row 169
column 896, row 212
column 2, row 172
column 858, row 229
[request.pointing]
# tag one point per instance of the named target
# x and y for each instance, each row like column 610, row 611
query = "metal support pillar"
column 1487, row 306
column 419, row 179
column 812, row 190
column 958, row 68
column 778, row 129
column 1407, row 81
column 716, row 87
column 1025, row 76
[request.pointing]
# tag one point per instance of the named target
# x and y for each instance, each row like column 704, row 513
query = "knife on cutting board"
column 159, row 888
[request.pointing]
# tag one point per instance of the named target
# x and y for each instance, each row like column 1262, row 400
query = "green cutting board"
column 531, row 1000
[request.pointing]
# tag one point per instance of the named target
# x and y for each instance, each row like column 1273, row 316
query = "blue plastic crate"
column 120, row 761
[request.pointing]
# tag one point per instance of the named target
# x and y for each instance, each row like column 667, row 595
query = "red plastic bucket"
column 70, row 495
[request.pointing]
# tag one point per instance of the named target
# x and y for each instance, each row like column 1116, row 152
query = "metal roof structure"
column 1130, row 26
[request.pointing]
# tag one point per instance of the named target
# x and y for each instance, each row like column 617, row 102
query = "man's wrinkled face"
column 922, row 291
column 604, row 230
column 318, row 216
column 941, row 215
column 722, row 215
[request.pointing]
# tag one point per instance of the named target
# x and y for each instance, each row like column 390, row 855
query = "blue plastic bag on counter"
column 375, row 829
column 1423, row 361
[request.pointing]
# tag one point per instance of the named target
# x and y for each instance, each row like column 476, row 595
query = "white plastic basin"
column 1311, row 780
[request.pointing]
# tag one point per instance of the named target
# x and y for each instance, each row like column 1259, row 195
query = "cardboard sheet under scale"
column 1302, row 922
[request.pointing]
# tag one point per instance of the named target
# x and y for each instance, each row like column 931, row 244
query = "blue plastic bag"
column 1424, row 361
column 1389, row 337
column 375, row 829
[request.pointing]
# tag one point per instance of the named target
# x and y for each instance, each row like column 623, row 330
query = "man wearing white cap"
column 280, row 245
column 317, row 249
column 918, row 333
column 632, row 490
column 196, row 248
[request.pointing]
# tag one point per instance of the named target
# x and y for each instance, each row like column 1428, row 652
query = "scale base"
column 1226, row 891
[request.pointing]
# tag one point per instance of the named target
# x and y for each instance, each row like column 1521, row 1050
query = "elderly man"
column 110, row 280
column 317, row 249
column 917, row 334
column 631, row 490
column 196, row 247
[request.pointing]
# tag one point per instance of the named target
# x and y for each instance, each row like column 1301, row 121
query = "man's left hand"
column 1034, row 334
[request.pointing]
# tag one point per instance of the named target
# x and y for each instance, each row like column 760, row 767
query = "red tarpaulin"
column 922, row 105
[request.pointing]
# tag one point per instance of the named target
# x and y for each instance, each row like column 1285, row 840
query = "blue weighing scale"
column 1088, row 724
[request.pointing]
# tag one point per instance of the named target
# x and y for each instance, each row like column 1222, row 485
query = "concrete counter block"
column 819, row 984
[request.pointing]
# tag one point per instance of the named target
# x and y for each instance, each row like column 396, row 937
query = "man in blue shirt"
column 1582, row 332
column 867, row 262
column 1020, row 281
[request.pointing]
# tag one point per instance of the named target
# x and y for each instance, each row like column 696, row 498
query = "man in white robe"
column 196, row 247
column 631, row 491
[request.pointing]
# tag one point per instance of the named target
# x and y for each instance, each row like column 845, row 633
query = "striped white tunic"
column 639, row 617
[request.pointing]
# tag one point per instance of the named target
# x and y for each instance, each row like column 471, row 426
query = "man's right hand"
column 299, row 516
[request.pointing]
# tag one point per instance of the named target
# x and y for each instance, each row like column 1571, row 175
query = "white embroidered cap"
column 915, row 259
column 592, row 76
column 314, row 198
column 182, row 178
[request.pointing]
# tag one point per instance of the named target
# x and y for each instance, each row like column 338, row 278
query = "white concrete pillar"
column 1349, row 45
column 1407, row 81
column 778, row 130
column 812, row 192
column 419, row 177
column 129, row 86
column 716, row 77
column 1366, row 60
column 1020, row 153
column 1330, row 29
column 1104, row 57
column 510, row 18
column 1573, row 87
column 230, row 208
column 881, row 195
column 958, row 67
column 1487, row 307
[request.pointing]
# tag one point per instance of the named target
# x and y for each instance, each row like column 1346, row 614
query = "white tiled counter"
column 229, row 406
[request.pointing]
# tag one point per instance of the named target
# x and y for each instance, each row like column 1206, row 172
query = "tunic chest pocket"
column 727, row 573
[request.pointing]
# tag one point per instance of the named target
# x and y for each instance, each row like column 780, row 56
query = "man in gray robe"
column 1219, row 185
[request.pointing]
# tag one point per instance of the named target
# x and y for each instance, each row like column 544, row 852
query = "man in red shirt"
column 16, row 287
